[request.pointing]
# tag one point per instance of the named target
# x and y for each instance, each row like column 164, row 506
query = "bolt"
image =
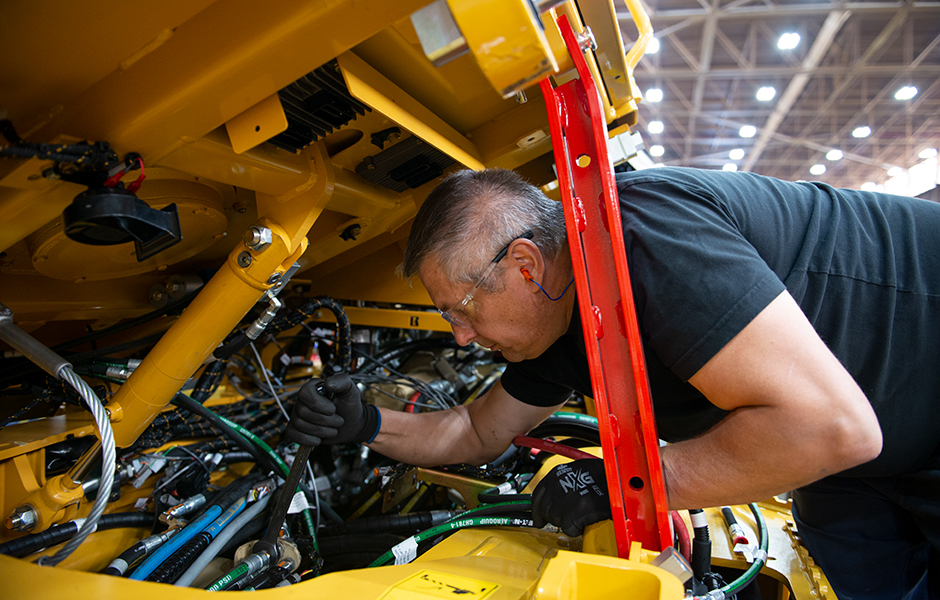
column 244, row 260
column 22, row 519
column 258, row 238
column 273, row 278
column 156, row 294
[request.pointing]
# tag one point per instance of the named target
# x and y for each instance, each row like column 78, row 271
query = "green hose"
column 308, row 519
column 748, row 576
column 462, row 521
column 234, row 575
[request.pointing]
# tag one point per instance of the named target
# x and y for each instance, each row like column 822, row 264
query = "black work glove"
column 572, row 496
column 338, row 417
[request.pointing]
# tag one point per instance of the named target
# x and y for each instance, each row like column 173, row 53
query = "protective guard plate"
column 605, row 298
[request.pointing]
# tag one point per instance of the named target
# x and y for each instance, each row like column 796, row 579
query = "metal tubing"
column 28, row 346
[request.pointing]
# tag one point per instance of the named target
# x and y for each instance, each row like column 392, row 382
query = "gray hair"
column 472, row 215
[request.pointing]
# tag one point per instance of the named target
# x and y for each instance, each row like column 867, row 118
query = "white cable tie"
column 298, row 503
column 406, row 551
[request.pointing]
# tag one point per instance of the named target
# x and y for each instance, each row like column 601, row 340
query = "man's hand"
column 331, row 412
column 572, row 496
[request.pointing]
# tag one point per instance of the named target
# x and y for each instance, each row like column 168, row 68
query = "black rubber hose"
column 184, row 401
column 296, row 317
column 26, row 545
column 401, row 524
column 170, row 570
column 377, row 543
column 209, row 380
column 581, row 431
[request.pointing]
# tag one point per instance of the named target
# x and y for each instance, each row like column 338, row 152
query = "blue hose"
column 166, row 550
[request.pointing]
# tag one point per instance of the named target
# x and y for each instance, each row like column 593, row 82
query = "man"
column 791, row 334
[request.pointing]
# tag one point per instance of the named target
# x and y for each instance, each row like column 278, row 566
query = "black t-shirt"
column 708, row 250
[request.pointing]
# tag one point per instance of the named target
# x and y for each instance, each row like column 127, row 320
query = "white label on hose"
column 505, row 488
column 406, row 551
column 298, row 503
column 285, row 360
column 698, row 520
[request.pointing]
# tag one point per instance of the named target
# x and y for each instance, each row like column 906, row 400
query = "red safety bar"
column 605, row 298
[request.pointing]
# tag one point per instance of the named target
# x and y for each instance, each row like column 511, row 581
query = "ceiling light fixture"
column 834, row 155
column 869, row 186
column 766, row 93
column 653, row 46
column 905, row 93
column 788, row 41
column 730, row 167
column 895, row 171
column 860, row 132
column 927, row 153
column 818, row 169
column 736, row 154
column 748, row 131
column 657, row 150
column 655, row 127
column 654, row 95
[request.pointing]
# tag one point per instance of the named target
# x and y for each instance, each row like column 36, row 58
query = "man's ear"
column 526, row 258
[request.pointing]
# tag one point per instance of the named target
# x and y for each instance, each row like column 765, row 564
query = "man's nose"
column 463, row 335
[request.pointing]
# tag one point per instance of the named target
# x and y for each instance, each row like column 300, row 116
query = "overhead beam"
column 821, row 44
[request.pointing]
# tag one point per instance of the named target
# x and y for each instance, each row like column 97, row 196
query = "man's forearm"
column 431, row 439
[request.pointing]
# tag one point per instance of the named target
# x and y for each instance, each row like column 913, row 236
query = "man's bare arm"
column 475, row 433
column 796, row 416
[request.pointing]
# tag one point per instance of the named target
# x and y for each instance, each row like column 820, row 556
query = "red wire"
column 135, row 185
column 682, row 532
column 410, row 408
column 552, row 447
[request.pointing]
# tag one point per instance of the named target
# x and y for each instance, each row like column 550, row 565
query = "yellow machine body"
column 196, row 88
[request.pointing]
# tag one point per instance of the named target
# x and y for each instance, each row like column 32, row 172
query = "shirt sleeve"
column 697, row 280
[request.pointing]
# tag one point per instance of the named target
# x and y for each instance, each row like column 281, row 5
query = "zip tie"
column 760, row 555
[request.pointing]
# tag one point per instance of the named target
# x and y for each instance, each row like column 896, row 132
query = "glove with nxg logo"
column 572, row 496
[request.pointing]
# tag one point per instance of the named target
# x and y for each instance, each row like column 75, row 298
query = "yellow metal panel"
column 588, row 576
column 258, row 124
column 507, row 41
column 372, row 88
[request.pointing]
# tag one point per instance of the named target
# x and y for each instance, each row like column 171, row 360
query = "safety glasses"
column 465, row 312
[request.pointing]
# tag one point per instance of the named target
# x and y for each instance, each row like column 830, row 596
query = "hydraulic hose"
column 552, row 447
column 748, row 576
column 403, row 524
column 213, row 549
column 171, row 568
column 29, row 544
column 407, row 551
column 701, row 544
column 136, row 553
column 166, row 550
column 225, row 426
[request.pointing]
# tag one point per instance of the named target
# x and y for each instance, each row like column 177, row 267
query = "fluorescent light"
column 748, row 131
column 655, row 127
column 817, row 169
column 869, row 186
column 895, row 171
column 730, row 167
column 766, row 93
column 927, row 153
column 860, row 132
column 654, row 95
column 905, row 93
column 834, row 155
column 657, row 150
column 653, row 46
column 788, row 41
column 736, row 154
